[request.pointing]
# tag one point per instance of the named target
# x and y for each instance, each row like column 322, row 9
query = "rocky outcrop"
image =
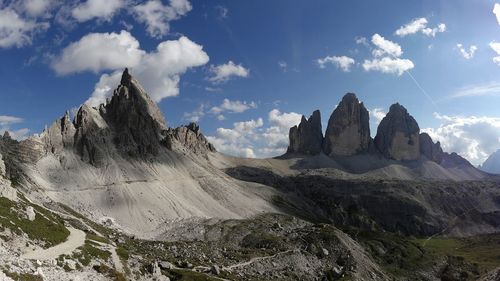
column 129, row 123
column 398, row 135
column 135, row 118
column 189, row 137
column 453, row 160
column 432, row 151
column 92, row 137
column 60, row 135
column 307, row 137
column 348, row 131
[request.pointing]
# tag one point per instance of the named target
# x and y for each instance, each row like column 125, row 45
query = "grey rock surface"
column 432, row 151
column 398, row 135
column 190, row 137
column 307, row 137
column 348, row 131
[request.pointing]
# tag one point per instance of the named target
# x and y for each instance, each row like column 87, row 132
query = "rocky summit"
column 116, row 194
column 307, row 137
column 348, row 131
column 432, row 151
column 398, row 135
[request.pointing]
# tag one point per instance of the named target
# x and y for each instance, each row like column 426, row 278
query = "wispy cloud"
column 478, row 90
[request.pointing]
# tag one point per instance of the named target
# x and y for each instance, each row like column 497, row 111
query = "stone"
column 215, row 269
column 348, row 131
column 2, row 166
column 307, row 137
column 30, row 213
column 432, row 151
column 325, row 252
column 165, row 265
column 398, row 135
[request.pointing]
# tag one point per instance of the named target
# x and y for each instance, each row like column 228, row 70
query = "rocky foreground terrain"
column 116, row 194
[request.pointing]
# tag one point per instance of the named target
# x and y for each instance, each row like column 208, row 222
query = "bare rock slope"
column 120, row 162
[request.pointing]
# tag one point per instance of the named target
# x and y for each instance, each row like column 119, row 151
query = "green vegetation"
column 482, row 250
column 46, row 226
column 122, row 253
column 89, row 252
column 188, row 275
column 97, row 238
column 109, row 272
column 23, row 276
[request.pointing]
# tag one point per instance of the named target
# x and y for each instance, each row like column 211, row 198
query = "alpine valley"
column 117, row 194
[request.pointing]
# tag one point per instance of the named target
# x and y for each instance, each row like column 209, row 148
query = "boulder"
column 398, row 135
column 307, row 137
column 432, row 151
column 348, row 131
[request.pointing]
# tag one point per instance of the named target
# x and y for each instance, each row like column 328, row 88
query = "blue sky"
column 247, row 70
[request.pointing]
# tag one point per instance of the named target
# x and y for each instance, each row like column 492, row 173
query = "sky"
column 246, row 71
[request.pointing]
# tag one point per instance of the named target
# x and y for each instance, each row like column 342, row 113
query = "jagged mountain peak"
column 348, row 130
column 307, row 137
column 130, row 96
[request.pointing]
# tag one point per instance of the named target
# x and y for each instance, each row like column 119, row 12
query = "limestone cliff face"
column 59, row 135
column 348, row 131
column 307, row 137
column 189, row 137
column 129, row 123
column 432, row 151
column 398, row 135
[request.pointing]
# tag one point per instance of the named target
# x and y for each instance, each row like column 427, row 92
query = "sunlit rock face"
column 398, row 135
column 348, row 131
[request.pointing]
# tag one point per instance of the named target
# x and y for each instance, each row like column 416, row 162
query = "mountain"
column 399, row 150
column 492, row 164
column 117, row 194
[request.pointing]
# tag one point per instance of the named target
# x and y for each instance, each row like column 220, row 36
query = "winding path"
column 75, row 239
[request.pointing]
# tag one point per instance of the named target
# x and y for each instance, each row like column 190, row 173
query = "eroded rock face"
column 348, row 131
column 60, row 135
column 398, row 135
column 129, row 123
column 429, row 149
column 189, row 137
column 92, row 136
column 135, row 118
column 307, row 137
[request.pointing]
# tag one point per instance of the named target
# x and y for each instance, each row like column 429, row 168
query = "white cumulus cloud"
column 496, row 47
column 473, row 137
column 37, row 7
column 420, row 25
column 99, row 9
column 157, row 16
column 233, row 106
column 6, row 121
column 158, row 71
column 223, row 72
column 253, row 139
column 385, row 46
column 16, row 30
column 496, row 11
column 467, row 54
column 342, row 62
column 388, row 65
column 377, row 114
column 99, row 51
